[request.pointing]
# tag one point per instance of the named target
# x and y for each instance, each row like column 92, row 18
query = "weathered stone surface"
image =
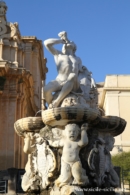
column 72, row 75
column 30, row 124
column 63, row 115
column 20, row 88
column 114, row 99
column 41, row 163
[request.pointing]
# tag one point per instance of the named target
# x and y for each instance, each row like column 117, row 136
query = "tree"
column 123, row 160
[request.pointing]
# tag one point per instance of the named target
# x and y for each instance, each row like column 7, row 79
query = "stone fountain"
column 69, row 146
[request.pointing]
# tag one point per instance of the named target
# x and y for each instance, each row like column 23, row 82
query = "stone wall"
column 22, row 75
column 115, row 100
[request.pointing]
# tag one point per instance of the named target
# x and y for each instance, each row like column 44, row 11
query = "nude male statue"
column 68, row 67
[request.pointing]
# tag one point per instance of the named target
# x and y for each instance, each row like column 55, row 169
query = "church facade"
column 22, row 75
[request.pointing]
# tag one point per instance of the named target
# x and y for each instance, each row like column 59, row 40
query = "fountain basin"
column 62, row 115
column 29, row 124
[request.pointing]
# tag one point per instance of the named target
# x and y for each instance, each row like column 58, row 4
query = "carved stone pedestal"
column 80, row 192
column 48, row 171
column 100, row 193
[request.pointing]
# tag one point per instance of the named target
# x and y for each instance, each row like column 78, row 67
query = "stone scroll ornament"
column 69, row 146
column 42, row 164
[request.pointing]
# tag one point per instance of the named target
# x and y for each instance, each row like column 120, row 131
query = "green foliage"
column 123, row 160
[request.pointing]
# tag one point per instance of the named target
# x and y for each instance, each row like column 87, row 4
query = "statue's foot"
column 83, row 183
column 50, row 106
column 54, row 104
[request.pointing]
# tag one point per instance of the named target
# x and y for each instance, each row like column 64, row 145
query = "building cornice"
column 105, row 89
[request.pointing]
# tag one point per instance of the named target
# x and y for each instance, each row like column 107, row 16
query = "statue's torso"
column 70, row 151
column 66, row 64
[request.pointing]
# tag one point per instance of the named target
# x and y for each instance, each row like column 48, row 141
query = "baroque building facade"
column 22, row 75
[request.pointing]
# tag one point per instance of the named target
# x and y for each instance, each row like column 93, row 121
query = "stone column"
column 36, row 75
column 28, row 56
column 4, row 99
column 20, row 57
column 42, row 96
column 11, row 119
column 17, row 138
column 1, row 49
column 16, row 54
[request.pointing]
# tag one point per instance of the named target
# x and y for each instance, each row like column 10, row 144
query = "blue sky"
column 100, row 29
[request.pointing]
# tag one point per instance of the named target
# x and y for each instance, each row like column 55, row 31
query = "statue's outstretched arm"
column 27, row 143
column 56, row 144
column 80, row 65
column 84, row 138
column 49, row 45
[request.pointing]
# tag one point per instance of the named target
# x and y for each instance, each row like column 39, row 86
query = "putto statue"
column 71, row 167
column 69, row 146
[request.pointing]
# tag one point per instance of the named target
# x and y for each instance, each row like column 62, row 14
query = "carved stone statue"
column 8, row 30
column 15, row 33
column 41, row 163
column 69, row 146
column 69, row 66
column 70, row 162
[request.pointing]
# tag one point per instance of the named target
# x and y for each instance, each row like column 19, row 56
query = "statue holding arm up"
column 68, row 67
column 71, row 168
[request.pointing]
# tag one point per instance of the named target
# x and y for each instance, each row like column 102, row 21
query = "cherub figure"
column 109, row 168
column 71, row 167
column 28, row 176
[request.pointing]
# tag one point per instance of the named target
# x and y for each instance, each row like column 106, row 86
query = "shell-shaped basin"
column 30, row 124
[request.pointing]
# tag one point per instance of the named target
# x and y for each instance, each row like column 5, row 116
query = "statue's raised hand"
column 63, row 36
column 84, row 127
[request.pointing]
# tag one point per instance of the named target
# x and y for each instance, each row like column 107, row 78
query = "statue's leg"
column 52, row 86
column 114, row 179
column 65, row 175
column 26, row 182
column 66, row 89
column 80, row 177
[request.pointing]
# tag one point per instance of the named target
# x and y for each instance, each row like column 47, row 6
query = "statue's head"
column 3, row 8
column 72, row 131
column 69, row 46
column 110, row 142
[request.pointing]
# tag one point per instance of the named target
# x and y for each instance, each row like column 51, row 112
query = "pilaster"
column 1, row 49
column 16, row 54
column 28, row 56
